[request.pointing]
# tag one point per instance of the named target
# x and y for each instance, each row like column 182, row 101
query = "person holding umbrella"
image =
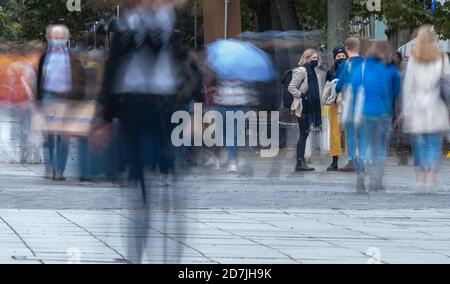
column 237, row 66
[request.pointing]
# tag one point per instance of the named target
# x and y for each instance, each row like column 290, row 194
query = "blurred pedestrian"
column 402, row 140
column 61, row 77
column 425, row 113
column 306, row 106
column 145, row 77
column 378, row 90
column 344, row 86
column 340, row 57
column 233, row 96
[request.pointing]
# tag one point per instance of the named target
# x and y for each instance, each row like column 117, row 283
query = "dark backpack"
column 288, row 99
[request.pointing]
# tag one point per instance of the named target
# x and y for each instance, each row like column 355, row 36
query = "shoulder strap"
column 363, row 67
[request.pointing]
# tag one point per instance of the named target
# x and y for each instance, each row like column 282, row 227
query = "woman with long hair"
column 425, row 113
column 306, row 106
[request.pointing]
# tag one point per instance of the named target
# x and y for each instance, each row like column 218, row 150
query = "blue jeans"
column 56, row 151
column 428, row 150
column 373, row 137
column 231, row 140
column 350, row 129
column 56, row 147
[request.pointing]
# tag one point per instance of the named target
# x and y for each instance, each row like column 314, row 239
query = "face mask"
column 314, row 63
column 56, row 43
column 341, row 61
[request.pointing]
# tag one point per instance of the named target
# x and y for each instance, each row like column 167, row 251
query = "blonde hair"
column 426, row 49
column 307, row 55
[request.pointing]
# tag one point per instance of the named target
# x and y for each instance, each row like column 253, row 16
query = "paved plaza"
column 210, row 216
column 265, row 214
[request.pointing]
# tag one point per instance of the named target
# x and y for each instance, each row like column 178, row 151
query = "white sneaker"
column 232, row 167
column 167, row 179
column 213, row 162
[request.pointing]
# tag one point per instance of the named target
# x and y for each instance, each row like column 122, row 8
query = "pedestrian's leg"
column 83, row 157
column 435, row 142
column 301, row 146
column 419, row 142
column 335, row 131
column 335, row 136
column 380, row 155
column 49, row 152
column 62, row 153
column 351, row 148
column 363, row 140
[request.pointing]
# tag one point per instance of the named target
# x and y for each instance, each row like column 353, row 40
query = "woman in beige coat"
column 304, row 87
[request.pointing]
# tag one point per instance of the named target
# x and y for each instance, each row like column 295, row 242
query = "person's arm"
column 106, row 99
column 446, row 67
column 299, row 85
column 39, row 94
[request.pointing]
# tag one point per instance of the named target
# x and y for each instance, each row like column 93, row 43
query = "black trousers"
column 301, row 145
column 147, row 129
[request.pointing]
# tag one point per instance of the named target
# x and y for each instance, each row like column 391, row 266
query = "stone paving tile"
column 288, row 219
column 318, row 242
column 251, row 260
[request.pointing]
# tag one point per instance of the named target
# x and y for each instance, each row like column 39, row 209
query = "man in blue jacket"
column 373, row 115
column 352, row 47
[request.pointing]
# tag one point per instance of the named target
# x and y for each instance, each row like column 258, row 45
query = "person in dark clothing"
column 306, row 106
column 147, row 77
column 143, row 84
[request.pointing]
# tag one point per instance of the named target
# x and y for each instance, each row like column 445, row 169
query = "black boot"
column 334, row 165
column 302, row 166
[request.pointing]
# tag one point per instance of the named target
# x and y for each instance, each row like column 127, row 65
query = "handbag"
column 67, row 117
column 329, row 95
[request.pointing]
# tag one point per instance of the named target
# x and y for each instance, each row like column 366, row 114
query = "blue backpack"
column 288, row 99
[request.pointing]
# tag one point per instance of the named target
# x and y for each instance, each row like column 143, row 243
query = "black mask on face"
column 341, row 61
column 314, row 63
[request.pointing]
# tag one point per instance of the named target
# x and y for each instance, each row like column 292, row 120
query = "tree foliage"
column 398, row 14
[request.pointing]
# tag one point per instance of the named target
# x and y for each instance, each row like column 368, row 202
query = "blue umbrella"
column 237, row 60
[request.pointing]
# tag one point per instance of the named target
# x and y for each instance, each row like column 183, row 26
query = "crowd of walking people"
column 149, row 75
